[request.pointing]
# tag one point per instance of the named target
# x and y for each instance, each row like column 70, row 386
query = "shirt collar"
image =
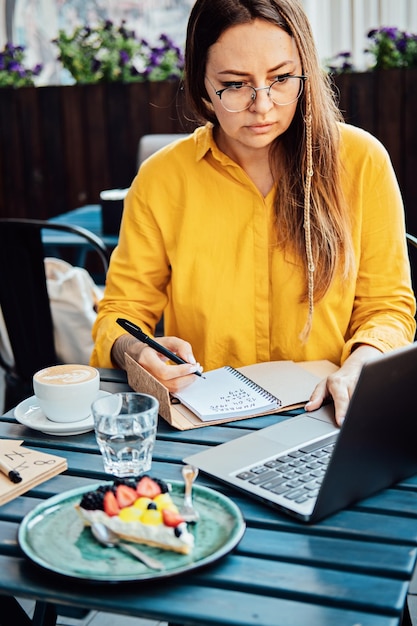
column 205, row 142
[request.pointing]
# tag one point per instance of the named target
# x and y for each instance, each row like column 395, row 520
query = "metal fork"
column 188, row 512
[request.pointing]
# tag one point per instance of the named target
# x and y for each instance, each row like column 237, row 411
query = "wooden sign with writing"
column 32, row 467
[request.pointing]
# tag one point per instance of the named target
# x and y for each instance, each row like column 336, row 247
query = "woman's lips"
column 261, row 128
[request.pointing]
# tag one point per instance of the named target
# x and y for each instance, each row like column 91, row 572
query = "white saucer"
column 30, row 414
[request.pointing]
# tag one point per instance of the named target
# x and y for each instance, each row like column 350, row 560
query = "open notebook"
column 229, row 394
column 309, row 468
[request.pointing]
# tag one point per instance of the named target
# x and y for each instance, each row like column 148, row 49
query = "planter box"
column 385, row 103
column 60, row 146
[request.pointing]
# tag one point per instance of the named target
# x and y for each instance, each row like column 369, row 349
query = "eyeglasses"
column 238, row 97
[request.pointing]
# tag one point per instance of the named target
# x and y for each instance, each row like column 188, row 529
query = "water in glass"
column 125, row 427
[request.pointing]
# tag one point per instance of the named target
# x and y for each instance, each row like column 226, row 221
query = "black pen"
column 139, row 334
column 11, row 474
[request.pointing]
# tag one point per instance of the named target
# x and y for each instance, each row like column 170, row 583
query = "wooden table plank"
column 182, row 601
column 377, row 559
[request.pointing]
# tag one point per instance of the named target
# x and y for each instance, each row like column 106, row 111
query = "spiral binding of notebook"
column 250, row 383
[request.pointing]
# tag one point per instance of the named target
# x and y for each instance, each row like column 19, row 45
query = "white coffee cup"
column 65, row 392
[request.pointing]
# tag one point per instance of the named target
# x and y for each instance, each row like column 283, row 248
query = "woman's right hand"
column 173, row 377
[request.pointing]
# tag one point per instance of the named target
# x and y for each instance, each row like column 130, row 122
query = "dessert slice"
column 139, row 511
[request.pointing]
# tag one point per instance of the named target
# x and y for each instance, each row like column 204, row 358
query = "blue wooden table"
column 353, row 568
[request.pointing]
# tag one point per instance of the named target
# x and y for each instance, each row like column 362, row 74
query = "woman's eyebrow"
column 270, row 71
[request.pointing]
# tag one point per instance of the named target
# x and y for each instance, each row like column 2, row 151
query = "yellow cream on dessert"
column 142, row 513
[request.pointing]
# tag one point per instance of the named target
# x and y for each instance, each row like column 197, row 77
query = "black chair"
column 24, row 299
column 412, row 254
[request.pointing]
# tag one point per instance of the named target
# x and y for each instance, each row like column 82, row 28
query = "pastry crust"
column 184, row 549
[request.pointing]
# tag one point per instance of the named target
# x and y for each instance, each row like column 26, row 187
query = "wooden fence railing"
column 61, row 146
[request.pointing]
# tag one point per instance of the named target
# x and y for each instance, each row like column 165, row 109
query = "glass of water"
column 125, row 427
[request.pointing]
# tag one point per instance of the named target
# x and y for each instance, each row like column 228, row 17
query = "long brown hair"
column 310, row 213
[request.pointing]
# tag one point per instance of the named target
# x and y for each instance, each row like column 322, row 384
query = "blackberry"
column 102, row 489
column 93, row 501
column 129, row 482
column 152, row 505
column 162, row 484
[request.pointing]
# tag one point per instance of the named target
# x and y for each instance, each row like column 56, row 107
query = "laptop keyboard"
column 296, row 476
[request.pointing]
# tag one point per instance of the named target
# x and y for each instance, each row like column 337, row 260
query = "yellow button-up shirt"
column 196, row 244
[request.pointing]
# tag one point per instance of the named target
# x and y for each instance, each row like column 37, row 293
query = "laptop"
column 309, row 468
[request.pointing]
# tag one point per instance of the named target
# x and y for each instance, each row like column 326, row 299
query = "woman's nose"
column 262, row 102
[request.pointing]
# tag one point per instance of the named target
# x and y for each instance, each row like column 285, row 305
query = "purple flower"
column 13, row 72
column 391, row 32
column 154, row 58
column 124, row 57
column 95, row 65
column 402, row 45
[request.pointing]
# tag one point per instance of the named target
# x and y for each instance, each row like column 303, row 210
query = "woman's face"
column 252, row 54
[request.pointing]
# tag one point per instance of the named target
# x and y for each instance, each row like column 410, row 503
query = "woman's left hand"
column 341, row 384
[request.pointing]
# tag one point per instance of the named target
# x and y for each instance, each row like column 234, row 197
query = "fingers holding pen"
column 174, row 376
column 156, row 355
column 178, row 347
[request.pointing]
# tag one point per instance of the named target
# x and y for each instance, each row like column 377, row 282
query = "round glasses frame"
column 281, row 79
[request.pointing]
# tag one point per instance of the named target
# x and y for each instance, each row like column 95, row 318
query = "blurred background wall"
column 338, row 25
column 61, row 144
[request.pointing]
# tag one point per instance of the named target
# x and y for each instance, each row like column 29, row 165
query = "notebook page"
column 225, row 392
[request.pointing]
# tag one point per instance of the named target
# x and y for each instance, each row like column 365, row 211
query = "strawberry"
column 171, row 518
column 125, row 496
column 110, row 505
column 147, row 488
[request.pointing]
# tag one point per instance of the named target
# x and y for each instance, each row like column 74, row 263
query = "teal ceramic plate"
column 53, row 536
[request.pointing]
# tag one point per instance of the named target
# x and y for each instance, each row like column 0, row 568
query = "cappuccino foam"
column 65, row 374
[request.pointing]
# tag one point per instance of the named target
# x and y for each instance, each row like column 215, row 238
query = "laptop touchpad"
column 296, row 430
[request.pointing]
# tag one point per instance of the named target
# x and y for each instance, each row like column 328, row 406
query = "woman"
column 273, row 232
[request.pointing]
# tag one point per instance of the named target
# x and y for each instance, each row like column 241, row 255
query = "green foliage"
column 13, row 72
column 108, row 53
column 340, row 64
column 389, row 48
column 392, row 47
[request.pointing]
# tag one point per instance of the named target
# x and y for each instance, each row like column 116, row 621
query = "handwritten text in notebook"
column 225, row 392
